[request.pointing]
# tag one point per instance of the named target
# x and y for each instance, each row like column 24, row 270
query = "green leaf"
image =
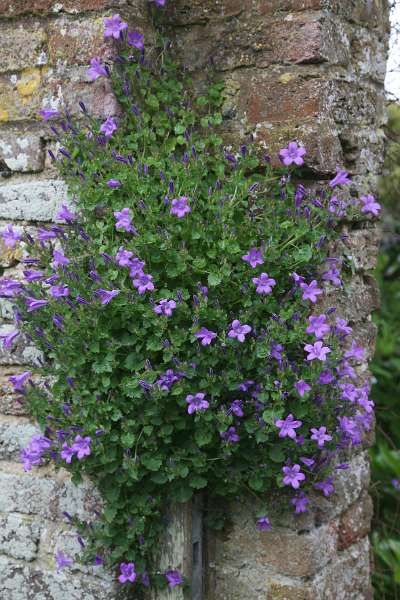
column 214, row 279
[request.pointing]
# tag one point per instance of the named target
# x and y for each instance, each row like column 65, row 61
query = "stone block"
column 22, row 152
column 37, row 200
column 361, row 247
column 76, row 41
column 27, row 493
column 185, row 12
column 81, row 501
column 21, row 352
column 11, row 403
column 21, row 46
column 19, row 537
column 11, row 8
column 15, row 434
column 8, row 258
column 355, row 522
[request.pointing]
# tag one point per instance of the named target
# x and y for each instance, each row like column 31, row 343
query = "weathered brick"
column 355, row 522
column 21, row 151
column 76, row 41
column 10, row 403
column 184, row 12
column 19, row 536
column 34, row 201
column 12, row 8
column 21, row 46
column 14, row 435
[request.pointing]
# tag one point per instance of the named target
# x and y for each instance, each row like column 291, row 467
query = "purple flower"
column 96, row 69
column 81, row 446
column 59, row 259
column 63, row 561
column 205, row 335
column 298, row 279
column 106, row 295
column 264, row 283
column 48, row 113
column 236, row 408
column 396, row 484
column 349, row 392
column 342, row 326
column 124, row 220
column 288, row 426
column 356, row 352
column 342, row 178
column 239, row 331
column 113, row 183
column 67, row 453
column 292, row 154
column 174, row 578
column 10, row 236
column 143, row 283
column 136, row 267
column 276, row 351
column 230, row 436
column 320, row 436
column 180, row 207
column 325, row 378
column 136, row 39
column 44, row 235
column 59, row 291
column 108, row 127
column 34, row 304
column 254, row 258
column 293, row 476
column 123, row 257
column 113, row 27
column 9, row 338
column 263, row 524
column 325, row 486
column 318, row 326
column 159, row 2
column 302, row 387
column 370, row 206
column 300, row 503
column 167, row 379
column 18, row 381
column 196, row 402
column 337, row 207
column 317, row 351
column 309, row 462
column 65, row 214
column 33, row 453
column 165, row 307
column 310, row 291
column 127, row 572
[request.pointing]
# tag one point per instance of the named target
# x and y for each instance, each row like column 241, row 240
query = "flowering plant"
column 182, row 305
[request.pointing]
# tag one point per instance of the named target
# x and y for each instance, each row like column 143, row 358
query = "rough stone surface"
column 22, row 152
column 19, row 536
column 15, row 434
column 33, row 201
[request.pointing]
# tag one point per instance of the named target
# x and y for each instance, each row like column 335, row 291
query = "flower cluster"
column 186, row 322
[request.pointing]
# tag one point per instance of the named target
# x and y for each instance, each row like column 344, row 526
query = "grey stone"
column 19, row 536
column 20, row 353
column 14, row 435
column 32, row 201
column 21, row 152
column 28, row 493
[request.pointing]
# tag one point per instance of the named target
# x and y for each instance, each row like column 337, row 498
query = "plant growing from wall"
column 182, row 308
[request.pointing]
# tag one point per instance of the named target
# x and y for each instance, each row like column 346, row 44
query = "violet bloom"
column 309, row 462
column 10, row 236
column 263, row 524
column 33, row 453
column 317, row 351
column 292, row 154
column 300, row 503
column 298, row 279
column 349, row 392
column 325, row 378
column 143, row 283
column 48, row 113
column 326, row 486
column 320, row 436
column 310, row 291
column 123, row 257
column 32, row 275
column 18, row 381
column 165, row 307
column 302, row 387
column 63, row 561
column 293, row 476
column 253, row 257
column 66, row 215
column 230, row 436
column 124, row 220
column 136, row 39
column 113, row 27
column 180, row 207
column 136, row 267
column 127, row 572
column 67, row 453
column 356, row 352
column 318, row 326
column 59, row 259
column 264, row 283
column 332, row 275
column 106, row 295
column 236, row 408
column 342, row 326
column 196, row 402
column 239, row 331
column 59, row 291
column 370, row 206
column 108, row 127
column 34, row 304
column 205, row 335
column 174, row 578
column 288, row 426
column 9, row 338
column 276, row 351
column 96, row 69
column 81, row 446
column 113, row 183
column 342, row 178
column 44, row 235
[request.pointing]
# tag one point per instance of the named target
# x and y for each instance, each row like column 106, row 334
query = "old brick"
column 184, row 12
column 355, row 522
column 76, row 41
column 11, row 8
column 33, row 201
column 19, row 536
column 21, row 46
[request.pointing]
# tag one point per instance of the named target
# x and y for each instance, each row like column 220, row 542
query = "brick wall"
column 306, row 69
